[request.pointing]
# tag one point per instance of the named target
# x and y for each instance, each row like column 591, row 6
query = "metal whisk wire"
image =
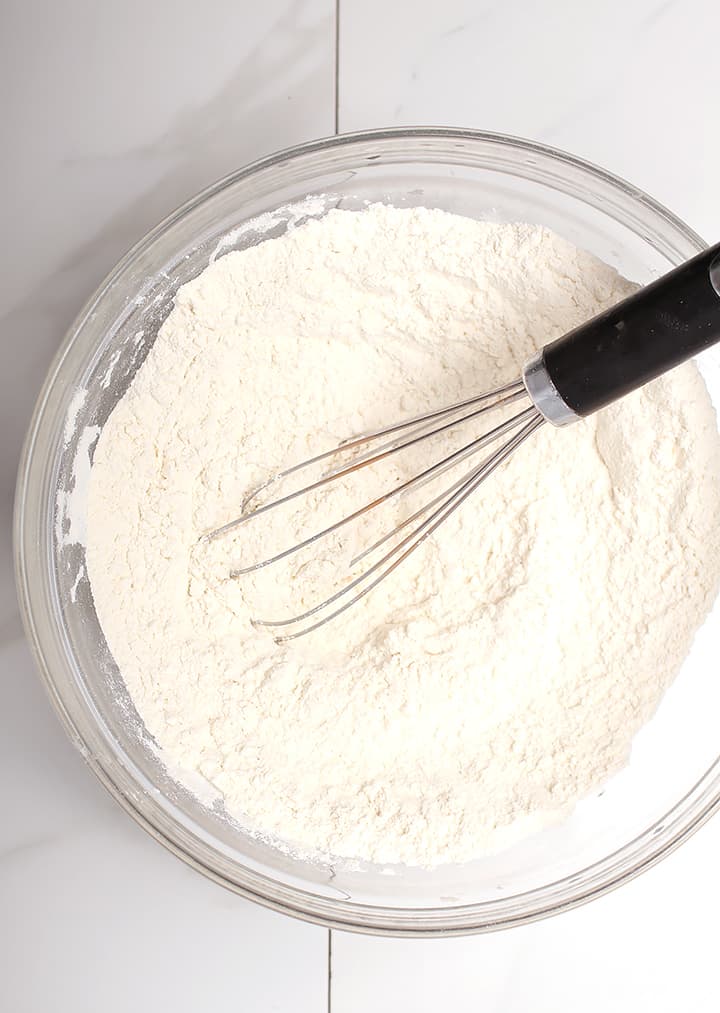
column 508, row 394
column 395, row 556
column 397, row 437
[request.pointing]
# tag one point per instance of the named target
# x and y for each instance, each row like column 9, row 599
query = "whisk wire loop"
column 395, row 556
column 371, row 449
column 438, row 468
column 506, row 394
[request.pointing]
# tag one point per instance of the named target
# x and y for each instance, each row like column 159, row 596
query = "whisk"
column 597, row 363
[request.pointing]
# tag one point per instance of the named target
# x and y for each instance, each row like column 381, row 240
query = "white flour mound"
column 501, row 673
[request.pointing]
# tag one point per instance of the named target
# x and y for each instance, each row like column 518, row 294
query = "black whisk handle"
column 623, row 348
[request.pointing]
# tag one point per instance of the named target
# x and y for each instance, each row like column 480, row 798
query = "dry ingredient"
column 503, row 673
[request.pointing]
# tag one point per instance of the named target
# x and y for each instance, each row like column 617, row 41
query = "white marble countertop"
column 112, row 114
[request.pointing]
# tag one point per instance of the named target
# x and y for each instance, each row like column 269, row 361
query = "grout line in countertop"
column 329, row 988
column 337, row 131
column 337, row 66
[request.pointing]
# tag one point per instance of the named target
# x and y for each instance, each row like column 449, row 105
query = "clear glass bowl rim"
column 696, row 806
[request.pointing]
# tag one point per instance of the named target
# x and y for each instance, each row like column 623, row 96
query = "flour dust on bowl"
column 437, row 868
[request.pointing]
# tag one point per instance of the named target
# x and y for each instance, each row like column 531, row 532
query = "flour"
column 503, row 671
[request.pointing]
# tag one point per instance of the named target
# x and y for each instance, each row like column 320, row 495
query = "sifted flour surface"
column 503, row 671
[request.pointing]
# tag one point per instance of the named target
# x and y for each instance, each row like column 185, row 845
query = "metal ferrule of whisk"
column 657, row 328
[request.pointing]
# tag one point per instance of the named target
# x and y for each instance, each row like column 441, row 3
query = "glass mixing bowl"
column 673, row 781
